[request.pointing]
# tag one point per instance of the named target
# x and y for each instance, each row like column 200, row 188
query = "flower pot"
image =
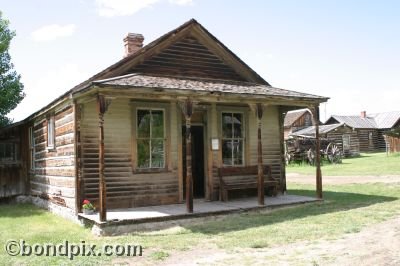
column 87, row 211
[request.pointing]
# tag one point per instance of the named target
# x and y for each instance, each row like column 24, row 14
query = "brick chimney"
column 132, row 43
column 363, row 114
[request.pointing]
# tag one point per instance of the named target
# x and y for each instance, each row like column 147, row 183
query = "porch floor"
column 201, row 208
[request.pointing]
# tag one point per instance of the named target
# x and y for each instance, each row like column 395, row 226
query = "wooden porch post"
column 318, row 151
column 77, row 159
column 282, row 114
column 187, row 109
column 102, row 106
column 260, row 178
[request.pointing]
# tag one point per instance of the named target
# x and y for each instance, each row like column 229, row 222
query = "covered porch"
column 245, row 114
column 121, row 221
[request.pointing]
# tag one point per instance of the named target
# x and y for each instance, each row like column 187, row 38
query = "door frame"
column 182, row 184
column 205, row 160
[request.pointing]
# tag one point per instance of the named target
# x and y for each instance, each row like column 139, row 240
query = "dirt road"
column 375, row 245
column 330, row 180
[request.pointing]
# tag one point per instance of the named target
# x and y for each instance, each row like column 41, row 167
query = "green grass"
column 366, row 164
column 346, row 209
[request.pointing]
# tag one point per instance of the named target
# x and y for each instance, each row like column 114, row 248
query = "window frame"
column 348, row 145
column 51, row 132
column 31, row 135
column 13, row 157
column 164, row 139
column 243, row 138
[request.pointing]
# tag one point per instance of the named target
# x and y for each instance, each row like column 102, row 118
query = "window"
column 7, row 152
column 32, row 147
column 370, row 139
column 150, row 138
column 50, row 132
column 346, row 142
column 232, row 138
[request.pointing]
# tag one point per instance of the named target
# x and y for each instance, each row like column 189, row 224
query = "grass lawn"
column 367, row 164
column 347, row 209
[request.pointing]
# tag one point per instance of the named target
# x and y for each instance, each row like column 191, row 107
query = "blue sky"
column 346, row 50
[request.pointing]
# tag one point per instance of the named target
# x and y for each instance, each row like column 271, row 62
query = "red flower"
column 86, row 201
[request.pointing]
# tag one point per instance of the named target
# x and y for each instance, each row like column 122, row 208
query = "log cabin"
column 369, row 128
column 296, row 120
column 154, row 127
column 343, row 136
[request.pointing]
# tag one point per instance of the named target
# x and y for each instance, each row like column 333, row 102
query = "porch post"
column 102, row 106
column 260, row 177
column 282, row 113
column 318, row 151
column 78, row 157
column 187, row 109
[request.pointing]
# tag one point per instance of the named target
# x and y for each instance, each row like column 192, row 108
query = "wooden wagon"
column 302, row 149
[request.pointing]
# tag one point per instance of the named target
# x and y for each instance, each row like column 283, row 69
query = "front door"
column 197, row 133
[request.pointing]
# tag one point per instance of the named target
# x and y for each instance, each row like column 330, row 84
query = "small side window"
column 7, row 152
column 32, row 147
column 346, row 142
column 50, row 132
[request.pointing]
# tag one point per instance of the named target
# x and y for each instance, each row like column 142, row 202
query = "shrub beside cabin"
column 133, row 117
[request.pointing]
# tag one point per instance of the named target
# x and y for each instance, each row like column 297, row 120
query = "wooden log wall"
column 14, row 178
column 53, row 177
column 337, row 137
column 188, row 57
column 302, row 122
column 270, row 140
column 125, row 188
column 368, row 144
column 380, row 140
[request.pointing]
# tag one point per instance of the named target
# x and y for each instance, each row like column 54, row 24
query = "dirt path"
column 376, row 245
column 306, row 179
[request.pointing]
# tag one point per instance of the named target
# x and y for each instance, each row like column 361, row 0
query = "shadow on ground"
column 16, row 210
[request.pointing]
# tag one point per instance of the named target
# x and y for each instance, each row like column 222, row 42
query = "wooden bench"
column 244, row 177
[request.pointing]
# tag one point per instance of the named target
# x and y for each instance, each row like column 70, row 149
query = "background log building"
column 296, row 120
column 369, row 128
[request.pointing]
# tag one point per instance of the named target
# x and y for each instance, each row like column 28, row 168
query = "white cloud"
column 52, row 32
column 181, row 2
column 111, row 8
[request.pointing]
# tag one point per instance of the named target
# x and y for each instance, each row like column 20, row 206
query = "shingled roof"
column 202, row 85
column 372, row 121
column 355, row 121
column 310, row 131
column 387, row 119
column 292, row 116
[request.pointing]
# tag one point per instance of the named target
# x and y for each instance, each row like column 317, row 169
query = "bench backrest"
column 243, row 170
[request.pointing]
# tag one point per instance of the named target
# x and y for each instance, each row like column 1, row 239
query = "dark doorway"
column 197, row 160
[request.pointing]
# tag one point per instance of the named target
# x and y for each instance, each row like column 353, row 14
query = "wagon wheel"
column 333, row 153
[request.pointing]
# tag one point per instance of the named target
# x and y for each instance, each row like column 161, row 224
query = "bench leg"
column 223, row 194
column 275, row 191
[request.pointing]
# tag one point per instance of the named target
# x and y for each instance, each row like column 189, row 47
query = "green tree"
column 11, row 89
